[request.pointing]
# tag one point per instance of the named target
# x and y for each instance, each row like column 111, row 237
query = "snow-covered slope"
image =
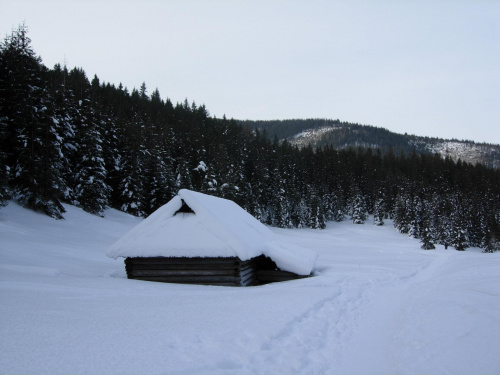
column 316, row 137
column 378, row 304
column 467, row 151
column 311, row 136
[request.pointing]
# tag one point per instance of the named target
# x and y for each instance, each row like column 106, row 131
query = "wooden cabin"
column 230, row 271
column 200, row 239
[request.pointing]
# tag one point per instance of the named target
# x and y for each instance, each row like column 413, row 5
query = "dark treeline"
column 65, row 138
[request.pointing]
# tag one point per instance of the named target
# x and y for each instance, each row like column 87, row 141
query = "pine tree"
column 316, row 218
column 161, row 184
column 160, row 173
column 488, row 244
column 66, row 115
column 379, row 212
column 183, row 180
column 91, row 190
column 491, row 238
column 459, row 233
column 131, row 187
column 415, row 225
column 401, row 211
column 460, row 239
column 34, row 149
column 5, row 192
column 358, row 215
column 426, row 239
column 82, row 133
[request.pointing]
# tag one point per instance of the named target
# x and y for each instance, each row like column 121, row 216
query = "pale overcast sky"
column 429, row 68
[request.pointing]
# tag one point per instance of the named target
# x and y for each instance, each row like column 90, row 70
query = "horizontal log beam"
column 183, row 260
column 180, row 272
column 194, row 279
column 195, row 283
column 169, row 266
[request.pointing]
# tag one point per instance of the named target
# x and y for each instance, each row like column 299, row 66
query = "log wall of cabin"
column 207, row 271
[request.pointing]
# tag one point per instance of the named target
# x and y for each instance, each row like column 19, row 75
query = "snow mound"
column 217, row 228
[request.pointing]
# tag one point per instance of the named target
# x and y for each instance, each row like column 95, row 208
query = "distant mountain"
column 337, row 134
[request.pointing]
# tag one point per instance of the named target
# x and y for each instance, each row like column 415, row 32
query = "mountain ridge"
column 333, row 133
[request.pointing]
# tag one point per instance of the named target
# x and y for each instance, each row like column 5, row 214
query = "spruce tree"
column 5, row 192
column 91, row 191
column 66, row 115
column 379, row 212
column 131, row 187
column 426, row 239
column 358, row 215
column 459, row 233
column 34, row 148
column 316, row 218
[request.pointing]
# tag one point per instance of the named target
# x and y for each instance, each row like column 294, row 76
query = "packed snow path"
column 378, row 304
column 418, row 317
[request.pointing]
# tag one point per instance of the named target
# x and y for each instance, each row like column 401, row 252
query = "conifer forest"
column 68, row 138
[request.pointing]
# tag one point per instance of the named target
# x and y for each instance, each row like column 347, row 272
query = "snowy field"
column 378, row 304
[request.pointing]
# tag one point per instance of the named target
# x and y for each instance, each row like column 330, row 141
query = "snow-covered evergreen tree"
column 183, row 179
column 160, row 179
column 91, row 191
column 5, row 192
column 33, row 130
column 400, row 213
column 316, row 215
column 460, row 239
column 459, row 232
column 418, row 217
column 379, row 212
column 66, row 115
column 426, row 238
column 358, row 210
column 131, row 187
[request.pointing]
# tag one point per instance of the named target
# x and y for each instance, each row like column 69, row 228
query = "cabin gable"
column 185, row 209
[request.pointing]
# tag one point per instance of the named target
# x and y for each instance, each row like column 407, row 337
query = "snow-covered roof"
column 217, row 228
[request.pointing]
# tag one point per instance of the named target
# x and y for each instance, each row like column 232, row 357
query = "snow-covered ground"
column 378, row 304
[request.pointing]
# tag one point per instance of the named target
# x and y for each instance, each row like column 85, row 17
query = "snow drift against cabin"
column 218, row 228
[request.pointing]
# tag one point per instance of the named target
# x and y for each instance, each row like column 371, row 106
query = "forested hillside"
column 67, row 138
column 334, row 133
